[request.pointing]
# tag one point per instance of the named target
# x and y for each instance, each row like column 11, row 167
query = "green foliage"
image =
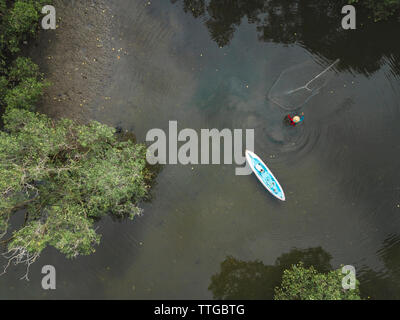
column 300, row 283
column 3, row 7
column 21, row 84
column 19, row 22
column 23, row 18
column 3, row 86
column 25, row 95
column 65, row 176
column 23, row 68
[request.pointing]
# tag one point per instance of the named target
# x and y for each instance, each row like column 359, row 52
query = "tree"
column 21, row 83
column 300, row 283
column 21, row 22
column 25, row 95
column 64, row 176
column 254, row 280
column 23, row 68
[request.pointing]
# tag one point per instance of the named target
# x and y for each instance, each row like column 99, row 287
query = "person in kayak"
column 295, row 120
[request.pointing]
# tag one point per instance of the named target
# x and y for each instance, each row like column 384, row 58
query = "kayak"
column 265, row 175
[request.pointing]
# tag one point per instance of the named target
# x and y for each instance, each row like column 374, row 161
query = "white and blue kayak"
column 265, row 175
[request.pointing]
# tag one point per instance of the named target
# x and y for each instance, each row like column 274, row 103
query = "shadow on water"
column 313, row 24
column 253, row 280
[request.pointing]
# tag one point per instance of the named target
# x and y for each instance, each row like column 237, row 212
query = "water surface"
column 339, row 170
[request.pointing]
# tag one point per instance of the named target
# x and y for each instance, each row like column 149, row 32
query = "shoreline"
column 77, row 58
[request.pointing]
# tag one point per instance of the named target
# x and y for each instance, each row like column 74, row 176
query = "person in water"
column 295, row 120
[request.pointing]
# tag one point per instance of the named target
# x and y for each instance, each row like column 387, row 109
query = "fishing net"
column 297, row 85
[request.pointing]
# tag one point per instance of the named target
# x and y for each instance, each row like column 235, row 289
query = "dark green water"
column 214, row 69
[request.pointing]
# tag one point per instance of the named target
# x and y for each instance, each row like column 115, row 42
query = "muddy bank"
column 77, row 58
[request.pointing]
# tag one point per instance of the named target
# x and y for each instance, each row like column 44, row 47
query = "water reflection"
column 384, row 284
column 255, row 280
column 314, row 24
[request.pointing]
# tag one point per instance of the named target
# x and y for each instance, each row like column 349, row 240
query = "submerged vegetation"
column 60, row 176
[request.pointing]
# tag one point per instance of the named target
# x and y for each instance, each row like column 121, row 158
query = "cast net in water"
column 297, row 85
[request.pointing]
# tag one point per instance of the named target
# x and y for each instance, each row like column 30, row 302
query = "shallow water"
column 339, row 169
